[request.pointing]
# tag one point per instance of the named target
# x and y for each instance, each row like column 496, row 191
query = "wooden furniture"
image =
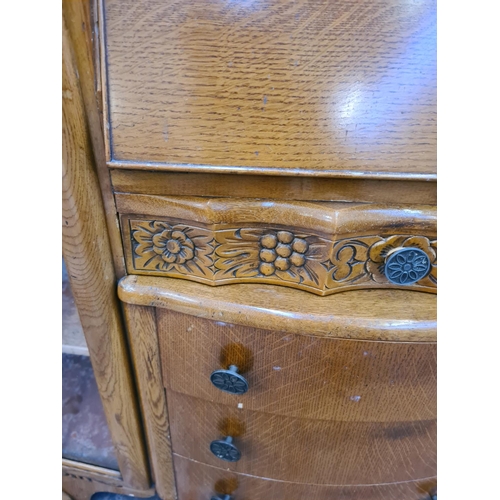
column 265, row 191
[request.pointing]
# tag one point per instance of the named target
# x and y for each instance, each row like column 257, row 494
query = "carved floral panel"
column 173, row 249
column 291, row 257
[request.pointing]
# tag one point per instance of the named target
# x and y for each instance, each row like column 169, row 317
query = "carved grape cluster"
column 281, row 250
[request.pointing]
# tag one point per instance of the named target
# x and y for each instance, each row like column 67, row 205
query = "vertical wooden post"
column 88, row 257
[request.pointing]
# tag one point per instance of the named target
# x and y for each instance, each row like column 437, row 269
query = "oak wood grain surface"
column 394, row 315
column 272, row 87
column 88, row 258
column 304, row 450
column 143, row 340
column 79, row 20
column 299, row 375
column 325, row 217
column 196, row 481
column 273, row 187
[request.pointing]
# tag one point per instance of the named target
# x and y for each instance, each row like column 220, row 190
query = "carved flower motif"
column 281, row 251
column 177, row 249
column 173, row 246
column 381, row 250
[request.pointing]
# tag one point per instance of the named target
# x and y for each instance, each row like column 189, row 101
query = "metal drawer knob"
column 225, row 449
column 406, row 266
column 221, row 497
column 229, row 380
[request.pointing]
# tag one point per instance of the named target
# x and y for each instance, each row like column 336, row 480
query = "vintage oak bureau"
column 255, row 180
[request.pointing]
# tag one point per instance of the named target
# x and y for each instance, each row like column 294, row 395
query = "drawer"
column 299, row 375
column 319, row 247
column 199, row 482
column 303, row 450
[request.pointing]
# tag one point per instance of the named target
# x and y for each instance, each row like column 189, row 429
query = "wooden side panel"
column 144, row 346
column 300, row 375
column 89, row 261
column 198, row 482
column 81, row 481
column 79, row 23
column 304, row 450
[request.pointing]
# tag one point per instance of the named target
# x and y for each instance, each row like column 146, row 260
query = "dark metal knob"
column 229, row 380
column 406, row 266
column 222, row 497
column 225, row 449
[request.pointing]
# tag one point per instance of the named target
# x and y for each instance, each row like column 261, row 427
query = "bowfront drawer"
column 320, row 247
column 301, row 450
column 201, row 482
column 297, row 375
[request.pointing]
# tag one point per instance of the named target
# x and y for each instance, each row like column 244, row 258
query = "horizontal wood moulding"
column 303, row 450
column 320, row 247
column 385, row 315
column 271, row 86
column 274, row 187
column 196, row 481
column 297, row 375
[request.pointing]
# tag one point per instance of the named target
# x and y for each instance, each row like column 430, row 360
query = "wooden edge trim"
column 89, row 261
column 273, row 187
column 246, row 170
column 80, row 481
column 325, row 217
column 143, row 339
column 104, row 79
column 377, row 315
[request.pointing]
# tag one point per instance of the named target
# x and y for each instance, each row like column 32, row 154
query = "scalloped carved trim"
column 267, row 254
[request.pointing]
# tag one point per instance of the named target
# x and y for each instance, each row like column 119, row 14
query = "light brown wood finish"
column 301, row 88
column 87, row 253
column 143, row 340
column 394, row 315
column 83, row 37
column 197, row 481
column 299, row 375
column 277, row 188
column 304, row 450
column 80, row 481
column 321, row 247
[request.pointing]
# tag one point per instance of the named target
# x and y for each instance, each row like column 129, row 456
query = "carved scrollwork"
column 177, row 248
column 356, row 261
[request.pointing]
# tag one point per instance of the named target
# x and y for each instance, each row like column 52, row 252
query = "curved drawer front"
column 299, row 375
column 200, row 482
column 319, row 247
column 302, row 450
